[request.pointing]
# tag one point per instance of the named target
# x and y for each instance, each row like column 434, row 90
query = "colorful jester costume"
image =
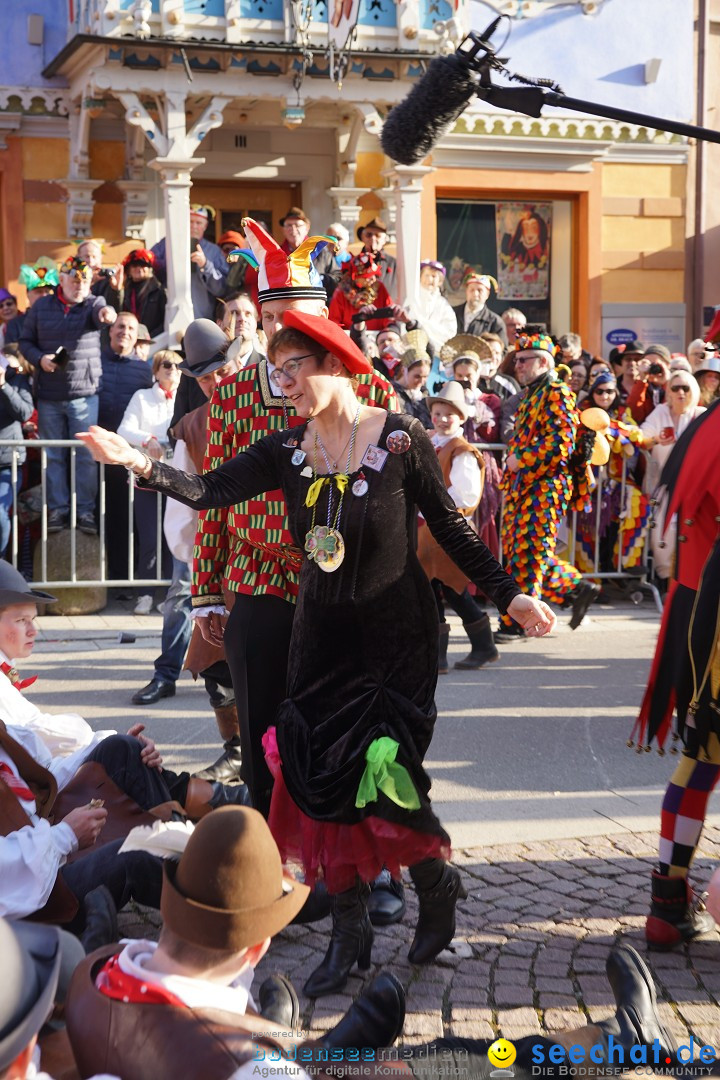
column 537, row 495
column 685, row 678
column 624, row 509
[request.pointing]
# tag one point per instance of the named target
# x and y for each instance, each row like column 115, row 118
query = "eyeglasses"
column 290, row 368
column 167, row 364
column 524, row 359
column 680, row 389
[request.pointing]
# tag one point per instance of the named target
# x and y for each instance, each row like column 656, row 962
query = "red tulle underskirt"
column 340, row 853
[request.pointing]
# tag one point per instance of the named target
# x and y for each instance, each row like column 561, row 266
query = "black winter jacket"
column 16, row 406
column 47, row 326
column 121, row 377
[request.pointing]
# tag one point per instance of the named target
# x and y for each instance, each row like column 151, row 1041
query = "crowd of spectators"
column 83, row 352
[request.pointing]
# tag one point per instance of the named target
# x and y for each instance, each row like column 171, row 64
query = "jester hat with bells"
column 282, row 276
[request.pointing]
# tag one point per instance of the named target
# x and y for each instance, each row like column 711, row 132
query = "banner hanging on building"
column 523, row 250
column 342, row 20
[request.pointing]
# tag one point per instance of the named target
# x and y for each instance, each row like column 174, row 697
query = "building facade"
column 118, row 113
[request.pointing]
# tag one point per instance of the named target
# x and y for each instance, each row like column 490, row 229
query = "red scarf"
column 61, row 297
column 13, row 676
column 16, row 785
column 114, row 983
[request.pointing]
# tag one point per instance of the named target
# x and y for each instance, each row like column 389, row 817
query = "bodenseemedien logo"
column 502, row 1055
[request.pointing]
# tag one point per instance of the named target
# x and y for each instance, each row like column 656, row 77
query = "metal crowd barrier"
column 73, row 580
column 640, row 576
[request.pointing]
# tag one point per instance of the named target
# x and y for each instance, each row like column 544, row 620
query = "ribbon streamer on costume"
column 383, row 772
column 341, row 479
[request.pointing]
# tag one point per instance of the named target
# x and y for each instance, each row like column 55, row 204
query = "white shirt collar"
column 195, row 993
column 441, row 440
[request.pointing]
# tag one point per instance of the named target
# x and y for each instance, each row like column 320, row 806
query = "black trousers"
column 463, row 604
column 135, row 875
column 257, row 642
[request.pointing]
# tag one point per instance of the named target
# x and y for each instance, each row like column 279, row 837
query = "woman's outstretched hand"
column 107, row 447
column 534, row 616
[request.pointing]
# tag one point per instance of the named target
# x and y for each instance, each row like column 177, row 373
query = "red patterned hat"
column 332, row 337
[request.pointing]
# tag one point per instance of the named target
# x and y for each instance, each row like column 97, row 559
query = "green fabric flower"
column 383, row 772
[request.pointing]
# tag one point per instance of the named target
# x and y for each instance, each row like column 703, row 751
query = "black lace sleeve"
column 256, row 470
column 447, row 524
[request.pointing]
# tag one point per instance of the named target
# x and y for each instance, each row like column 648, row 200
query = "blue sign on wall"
column 620, row 337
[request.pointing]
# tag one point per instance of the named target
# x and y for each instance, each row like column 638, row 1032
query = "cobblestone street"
column 529, row 955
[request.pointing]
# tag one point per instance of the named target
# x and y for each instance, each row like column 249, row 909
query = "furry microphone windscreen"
column 415, row 125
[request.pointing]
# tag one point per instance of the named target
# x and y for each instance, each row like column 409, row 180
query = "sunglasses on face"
column 167, row 365
column 604, row 393
column 680, row 389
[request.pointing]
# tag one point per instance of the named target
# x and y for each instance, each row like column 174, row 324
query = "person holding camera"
column 209, row 267
column 61, row 338
column 649, row 389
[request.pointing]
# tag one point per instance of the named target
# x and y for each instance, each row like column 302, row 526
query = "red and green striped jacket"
column 247, row 548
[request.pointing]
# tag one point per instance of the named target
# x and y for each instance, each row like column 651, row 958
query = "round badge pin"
column 360, row 487
column 398, row 442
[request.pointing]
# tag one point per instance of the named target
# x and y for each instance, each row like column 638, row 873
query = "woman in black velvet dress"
column 351, row 794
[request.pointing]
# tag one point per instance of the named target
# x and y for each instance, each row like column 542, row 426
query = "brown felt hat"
column 228, row 890
column 295, row 212
column 377, row 223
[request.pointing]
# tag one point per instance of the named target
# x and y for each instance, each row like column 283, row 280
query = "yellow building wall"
column 643, row 233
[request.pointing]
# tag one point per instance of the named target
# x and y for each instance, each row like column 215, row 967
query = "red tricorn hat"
column 332, row 337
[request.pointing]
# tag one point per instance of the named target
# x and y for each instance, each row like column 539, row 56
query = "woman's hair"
column 163, row 354
column 24, row 366
column 290, row 338
column 491, row 338
column 685, row 379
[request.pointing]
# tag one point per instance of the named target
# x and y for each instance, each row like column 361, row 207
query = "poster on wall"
column 523, row 247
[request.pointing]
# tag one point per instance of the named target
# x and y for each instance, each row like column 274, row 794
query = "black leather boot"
column 387, row 900
column 350, row 944
column 101, row 925
column 636, row 1022
column 278, row 1002
column 675, row 916
column 581, row 599
column 226, row 770
column 482, row 645
column 374, row 1020
column 443, row 640
column 438, row 885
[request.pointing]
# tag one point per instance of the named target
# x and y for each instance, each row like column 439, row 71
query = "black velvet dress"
column 363, row 654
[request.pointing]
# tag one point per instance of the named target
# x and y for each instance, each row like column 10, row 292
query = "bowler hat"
column 332, row 337
column 30, row 965
column 14, row 589
column 228, row 890
column 452, row 394
column 377, row 223
column 205, row 346
column 143, row 337
column 295, row 212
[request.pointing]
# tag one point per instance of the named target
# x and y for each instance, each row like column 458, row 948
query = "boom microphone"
column 434, row 103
